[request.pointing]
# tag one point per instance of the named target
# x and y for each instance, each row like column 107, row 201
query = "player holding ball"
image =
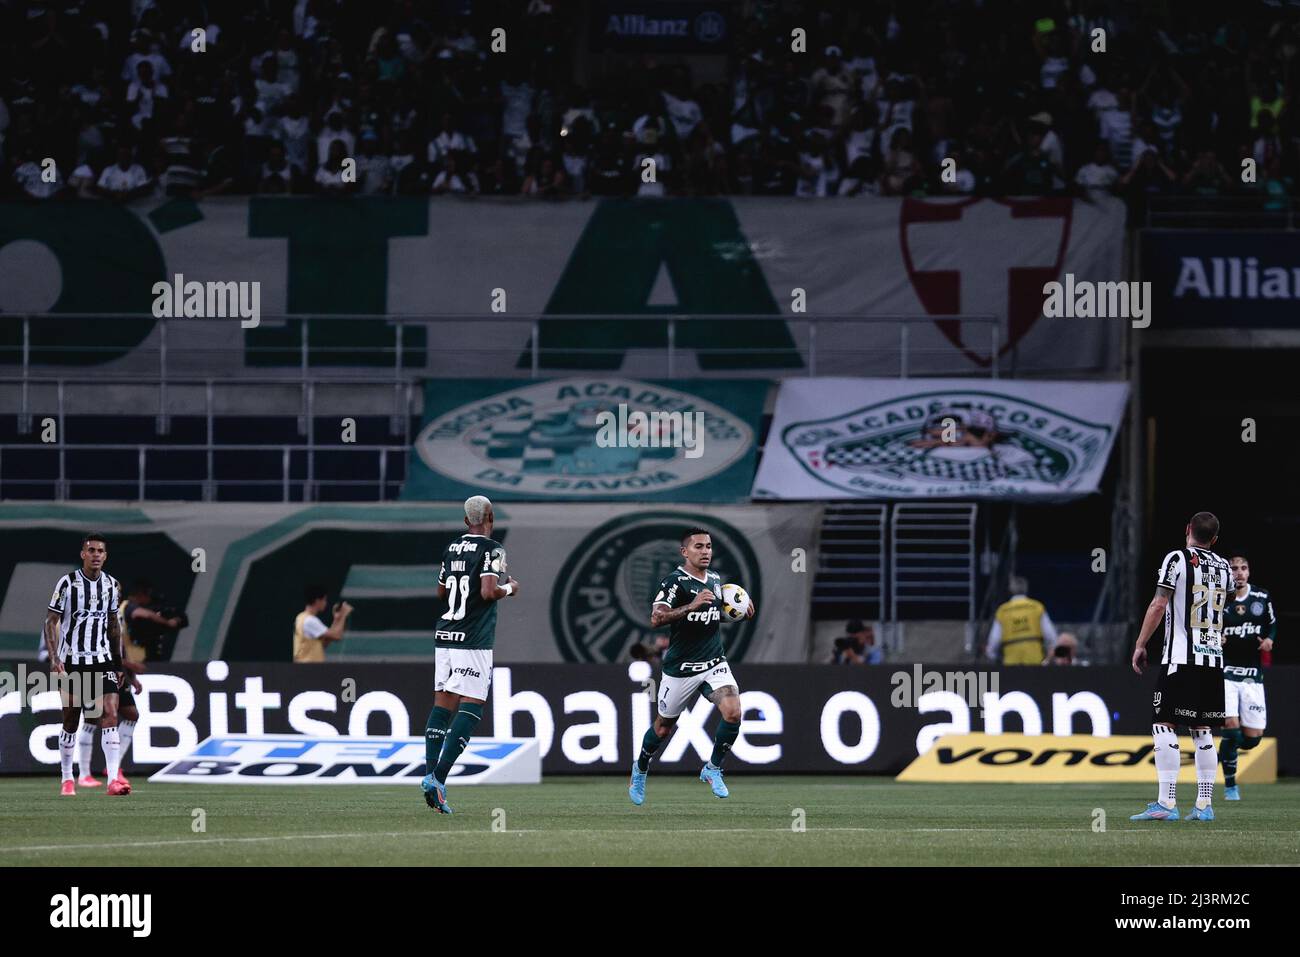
column 687, row 601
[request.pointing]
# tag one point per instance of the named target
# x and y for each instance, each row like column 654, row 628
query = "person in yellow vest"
column 1022, row 632
column 310, row 636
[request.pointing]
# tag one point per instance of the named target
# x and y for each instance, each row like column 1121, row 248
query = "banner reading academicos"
column 939, row 438
column 588, row 573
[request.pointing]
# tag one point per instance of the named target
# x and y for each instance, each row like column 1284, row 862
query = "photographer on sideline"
column 857, row 646
column 1066, row 651
column 150, row 627
column 310, row 636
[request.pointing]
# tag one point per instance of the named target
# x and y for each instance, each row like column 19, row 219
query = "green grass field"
column 589, row 821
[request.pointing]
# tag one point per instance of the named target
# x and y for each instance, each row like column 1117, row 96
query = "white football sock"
column 112, row 745
column 85, row 746
column 125, row 731
column 67, row 745
column 1168, row 758
column 1207, row 763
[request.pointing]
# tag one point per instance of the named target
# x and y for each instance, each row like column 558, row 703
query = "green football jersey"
column 694, row 644
column 1245, row 622
column 469, row 621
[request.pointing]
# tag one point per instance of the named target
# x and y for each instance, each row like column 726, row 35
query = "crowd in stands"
column 1136, row 98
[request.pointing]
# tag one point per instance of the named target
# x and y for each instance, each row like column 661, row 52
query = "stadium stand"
column 1178, row 97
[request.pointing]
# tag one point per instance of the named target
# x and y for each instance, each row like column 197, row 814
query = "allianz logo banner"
column 1202, row 278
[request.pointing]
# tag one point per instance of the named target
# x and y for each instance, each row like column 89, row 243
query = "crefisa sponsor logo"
column 75, row 910
column 553, row 439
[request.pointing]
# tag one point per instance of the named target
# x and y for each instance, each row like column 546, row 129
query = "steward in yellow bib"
column 1022, row 632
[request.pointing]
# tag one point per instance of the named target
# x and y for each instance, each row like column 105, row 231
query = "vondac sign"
column 298, row 759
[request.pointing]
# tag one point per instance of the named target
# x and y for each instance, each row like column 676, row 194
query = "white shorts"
column 463, row 671
column 675, row 692
column 1245, row 700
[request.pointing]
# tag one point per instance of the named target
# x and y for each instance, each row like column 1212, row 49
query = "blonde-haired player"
column 471, row 580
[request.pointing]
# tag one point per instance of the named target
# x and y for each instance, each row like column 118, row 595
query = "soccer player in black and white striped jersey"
column 1191, row 591
column 84, row 642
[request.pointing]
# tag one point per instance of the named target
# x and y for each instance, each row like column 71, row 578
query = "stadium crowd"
column 1019, row 94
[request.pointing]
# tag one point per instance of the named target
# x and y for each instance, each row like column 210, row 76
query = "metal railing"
column 65, row 483
column 932, row 555
column 1223, row 212
column 806, row 349
column 159, row 367
column 403, row 401
column 851, row 566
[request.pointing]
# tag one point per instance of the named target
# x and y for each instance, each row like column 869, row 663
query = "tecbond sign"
column 304, row 759
column 938, row 438
column 551, row 440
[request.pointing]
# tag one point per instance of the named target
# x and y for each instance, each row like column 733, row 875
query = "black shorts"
column 86, row 684
column 1192, row 695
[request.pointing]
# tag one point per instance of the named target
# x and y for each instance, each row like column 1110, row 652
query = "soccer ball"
column 735, row 602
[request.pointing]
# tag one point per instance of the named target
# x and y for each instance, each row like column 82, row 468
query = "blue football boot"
column 636, row 786
column 1156, row 812
column 435, row 794
column 713, row 778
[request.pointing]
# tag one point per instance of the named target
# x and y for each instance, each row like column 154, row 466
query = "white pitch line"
column 186, row 842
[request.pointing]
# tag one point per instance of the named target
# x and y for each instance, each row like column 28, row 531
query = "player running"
column 84, row 643
column 1250, row 626
column 468, row 580
column 685, row 602
column 1191, row 591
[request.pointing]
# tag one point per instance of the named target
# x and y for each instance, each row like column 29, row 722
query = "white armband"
column 508, row 588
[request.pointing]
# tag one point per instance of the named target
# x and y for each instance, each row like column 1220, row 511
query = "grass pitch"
column 589, row 821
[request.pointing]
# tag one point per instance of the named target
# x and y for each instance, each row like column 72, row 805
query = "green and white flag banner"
column 587, row 438
column 835, row 438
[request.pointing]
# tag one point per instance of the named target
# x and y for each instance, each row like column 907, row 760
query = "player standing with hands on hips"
column 1191, row 591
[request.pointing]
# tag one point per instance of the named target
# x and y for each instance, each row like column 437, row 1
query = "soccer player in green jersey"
column 688, row 601
column 1249, row 627
column 471, row 579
